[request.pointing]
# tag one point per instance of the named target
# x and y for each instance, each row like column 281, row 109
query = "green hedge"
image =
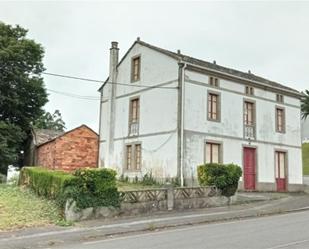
column 93, row 188
column 43, row 182
column 87, row 187
column 223, row 176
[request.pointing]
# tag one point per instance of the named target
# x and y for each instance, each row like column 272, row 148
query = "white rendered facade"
column 173, row 125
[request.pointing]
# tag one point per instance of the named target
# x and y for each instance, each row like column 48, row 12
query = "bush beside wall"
column 224, row 176
column 94, row 188
column 43, row 182
column 87, row 187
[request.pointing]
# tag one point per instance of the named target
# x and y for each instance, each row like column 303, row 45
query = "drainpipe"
column 99, row 163
column 181, row 100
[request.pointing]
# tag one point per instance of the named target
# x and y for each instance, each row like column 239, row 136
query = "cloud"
column 270, row 39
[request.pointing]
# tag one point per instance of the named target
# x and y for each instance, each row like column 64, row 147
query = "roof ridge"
column 215, row 66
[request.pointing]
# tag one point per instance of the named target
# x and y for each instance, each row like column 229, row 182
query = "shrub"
column 45, row 182
column 93, row 188
column 87, row 187
column 149, row 180
column 224, row 176
column 2, row 178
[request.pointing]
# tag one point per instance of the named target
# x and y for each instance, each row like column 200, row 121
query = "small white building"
column 166, row 113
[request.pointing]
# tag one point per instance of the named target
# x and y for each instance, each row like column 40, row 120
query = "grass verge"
column 305, row 148
column 20, row 208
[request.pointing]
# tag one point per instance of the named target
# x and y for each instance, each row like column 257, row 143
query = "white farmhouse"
column 166, row 113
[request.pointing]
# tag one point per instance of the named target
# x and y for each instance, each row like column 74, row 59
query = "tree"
column 305, row 105
column 50, row 121
column 22, row 92
column 11, row 136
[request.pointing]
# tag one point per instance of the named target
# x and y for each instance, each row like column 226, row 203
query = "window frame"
column 279, row 98
column 283, row 119
column 220, row 150
column 253, row 112
column 254, row 125
column 213, row 81
column 136, row 98
column 133, row 157
column 136, row 57
column 286, row 164
column 130, row 116
column 218, row 106
column 249, row 90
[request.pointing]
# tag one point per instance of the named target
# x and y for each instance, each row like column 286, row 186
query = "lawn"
column 306, row 158
column 19, row 208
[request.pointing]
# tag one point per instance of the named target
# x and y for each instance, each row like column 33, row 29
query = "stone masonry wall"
column 145, row 201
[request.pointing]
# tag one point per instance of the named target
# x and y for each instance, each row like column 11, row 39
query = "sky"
column 269, row 38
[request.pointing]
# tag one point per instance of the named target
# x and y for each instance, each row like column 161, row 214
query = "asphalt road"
column 280, row 231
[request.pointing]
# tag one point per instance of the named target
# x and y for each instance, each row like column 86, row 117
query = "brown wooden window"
column 280, row 158
column 136, row 69
column 212, row 153
column 249, row 90
column 129, row 157
column 138, row 152
column 249, row 113
column 279, row 98
column 280, row 120
column 133, row 157
column 213, row 106
column 134, row 111
column 213, row 81
column 134, row 117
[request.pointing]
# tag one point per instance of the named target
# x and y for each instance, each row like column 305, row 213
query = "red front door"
column 249, row 168
column 280, row 171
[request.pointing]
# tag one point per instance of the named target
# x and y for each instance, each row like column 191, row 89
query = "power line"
column 108, row 82
column 84, row 97
column 73, row 77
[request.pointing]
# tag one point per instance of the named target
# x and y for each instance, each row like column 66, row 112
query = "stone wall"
column 152, row 200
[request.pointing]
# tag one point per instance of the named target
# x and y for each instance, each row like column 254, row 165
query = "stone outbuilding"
column 77, row 148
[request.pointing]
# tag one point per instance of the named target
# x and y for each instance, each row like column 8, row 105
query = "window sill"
column 214, row 120
column 280, row 132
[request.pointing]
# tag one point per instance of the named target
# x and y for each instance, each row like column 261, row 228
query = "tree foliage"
column 22, row 92
column 224, row 176
column 305, row 105
column 50, row 121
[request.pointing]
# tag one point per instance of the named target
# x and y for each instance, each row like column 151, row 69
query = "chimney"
column 113, row 61
column 112, row 87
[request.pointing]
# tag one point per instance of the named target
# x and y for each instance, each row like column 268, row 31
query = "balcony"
column 249, row 132
column 133, row 129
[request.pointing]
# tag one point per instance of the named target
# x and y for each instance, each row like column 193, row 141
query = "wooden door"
column 249, row 168
column 280, row 171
